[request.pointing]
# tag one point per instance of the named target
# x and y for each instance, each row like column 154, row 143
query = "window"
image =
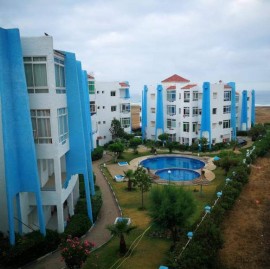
column 102, row 92
column 247, row 98
column 214, row 125
column 171, row 110
column 200, row 111
column 214, row 111
column 180, row 110
column 171, row 123
column 92, row 107
column 104, row 122
column 171, row 96
column 36, row 74
column 214, row 95
column 195, row 96
column 41, row 126
column 91, row 87
column 113, row 108
column 153, row 123
column 103, row 107
column 125, row 122
column 97, row 92
column 59, row 69
column 125, row 108
column 172, row 137
column 113, row 93
column 152, row 96
column 227, row 96
column 179, row 95
column 98, row 107
column 185, row 126
column 194, row 127
column 226, row 124
column 186, row 97
column 226, row 109
column 62, row 124
column 99, row 122
column 195, row 111
column 153, row 110
column 186, row 111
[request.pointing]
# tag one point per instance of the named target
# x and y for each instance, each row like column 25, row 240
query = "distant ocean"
column 262, row 98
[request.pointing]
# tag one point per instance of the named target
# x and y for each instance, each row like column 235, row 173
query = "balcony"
column 50, row 184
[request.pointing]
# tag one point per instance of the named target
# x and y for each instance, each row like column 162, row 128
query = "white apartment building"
column 187, row 111
column 45, row 141
column 108, row 101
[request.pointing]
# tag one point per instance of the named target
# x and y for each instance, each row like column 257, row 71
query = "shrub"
column 78, row 225
column 97, row 153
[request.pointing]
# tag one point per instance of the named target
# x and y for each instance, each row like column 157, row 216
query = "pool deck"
column 115, row 169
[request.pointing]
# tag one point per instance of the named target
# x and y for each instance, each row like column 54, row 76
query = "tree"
column 142, row 180
column 134, row 143
column 120, row 228
column 117, row 148
column 171, row 208
column 257, row 131
column 203, row 144
column 164, row 138
column 116, row 129
column 129, row 174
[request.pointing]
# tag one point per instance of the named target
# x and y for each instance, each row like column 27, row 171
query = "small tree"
column 116, row 129
column 203, row 144
column 142, row 180
column 117, row 148
column 164, row 138
column 171, row 208
column 256, row 131
column 129, row 174
column 134, row 143
column 120, row 229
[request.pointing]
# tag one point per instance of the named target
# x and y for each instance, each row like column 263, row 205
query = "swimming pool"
column 172, row 162
column 177, row 174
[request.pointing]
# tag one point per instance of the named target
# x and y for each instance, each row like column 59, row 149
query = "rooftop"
column 175, row 78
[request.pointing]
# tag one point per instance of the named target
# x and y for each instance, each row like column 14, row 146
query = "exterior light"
column 219, row 194
column 169, row 173
column 227, row 180
column 207, row 209
column 190, row 235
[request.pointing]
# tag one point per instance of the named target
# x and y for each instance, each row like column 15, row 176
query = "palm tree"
column 129, row 175
column 119, row 229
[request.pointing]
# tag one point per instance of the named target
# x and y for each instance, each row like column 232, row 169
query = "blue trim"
column 253, row 109
column 144, row 112
column 206, row 112
column 21, row 172
column 233, row 109
column 159, row 111
column 78, row 156
column 127, row 94
column 244, row 110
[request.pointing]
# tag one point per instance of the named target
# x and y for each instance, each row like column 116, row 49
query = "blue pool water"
column 172, row 162
column 177, row 174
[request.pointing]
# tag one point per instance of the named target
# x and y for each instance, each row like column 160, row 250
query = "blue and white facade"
column 187, row 111
column 108, row 101
column 45, row 134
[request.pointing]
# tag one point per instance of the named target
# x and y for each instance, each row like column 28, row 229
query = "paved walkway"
column 98, row 234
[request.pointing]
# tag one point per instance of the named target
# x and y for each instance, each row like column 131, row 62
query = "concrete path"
column 98, row 234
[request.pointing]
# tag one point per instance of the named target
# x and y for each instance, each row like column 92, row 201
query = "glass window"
column 62, row 124
column 171, row 110
column 125, row 122
column 153, row 110
column 226, row 109
column 195, row 111
column 113, row 93
column 36, row 74
column 152, row 96
column 194, row 127
column 186, row 111
column 214, row 95
column 171, row 123
column 91, row 87
column 153, row 123
column 171, row 96
column 226, row 124
column 227, row 96
column 59, row 68
column 41, row 124
column 186, row 97
column 92, row 107
column 125, row 108
column 195, row 96
column 185, row 126
column 214, row 111
column 113, row 108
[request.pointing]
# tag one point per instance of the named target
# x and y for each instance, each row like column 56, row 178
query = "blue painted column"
column 144, row 112
column 77, row 158
column 21, row 171
column 244, row 110
column 253, row 109
column 233, row 109
column 206, row 112
column 159, row 111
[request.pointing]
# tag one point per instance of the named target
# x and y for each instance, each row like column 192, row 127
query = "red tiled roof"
column 89, row 76
column 171, row 88
column 227, row 86
column 175, row 78
column 123, row 84
column 189, row 86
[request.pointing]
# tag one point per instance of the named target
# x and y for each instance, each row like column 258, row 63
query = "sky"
column 146, row 41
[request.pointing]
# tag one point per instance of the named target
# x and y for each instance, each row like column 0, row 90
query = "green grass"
column 150, row 252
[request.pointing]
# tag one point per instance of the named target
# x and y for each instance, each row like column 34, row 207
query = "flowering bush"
column 75, row 252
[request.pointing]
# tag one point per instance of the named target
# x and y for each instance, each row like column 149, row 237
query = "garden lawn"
column 150, row 252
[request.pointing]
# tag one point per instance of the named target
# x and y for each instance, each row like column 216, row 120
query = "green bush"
column 97, row 153
column 242, row 133
column 28, row 248
column 78, row 225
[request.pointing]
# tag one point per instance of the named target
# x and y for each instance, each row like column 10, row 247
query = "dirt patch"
column 262, row 114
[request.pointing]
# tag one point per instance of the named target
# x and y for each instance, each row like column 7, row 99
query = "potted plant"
column 75, row 252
